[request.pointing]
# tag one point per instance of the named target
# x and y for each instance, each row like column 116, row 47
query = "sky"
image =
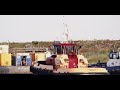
column 27, row 28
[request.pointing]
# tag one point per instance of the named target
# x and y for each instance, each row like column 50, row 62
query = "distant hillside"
column 93, row 50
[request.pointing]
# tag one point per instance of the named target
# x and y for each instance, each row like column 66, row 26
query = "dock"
column 15, row 70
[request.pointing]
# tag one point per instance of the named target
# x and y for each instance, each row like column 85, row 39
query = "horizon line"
column 54, row 40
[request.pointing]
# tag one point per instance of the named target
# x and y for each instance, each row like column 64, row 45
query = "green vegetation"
column 93, row 50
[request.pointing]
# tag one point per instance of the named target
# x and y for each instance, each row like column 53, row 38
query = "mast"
column 66, row 33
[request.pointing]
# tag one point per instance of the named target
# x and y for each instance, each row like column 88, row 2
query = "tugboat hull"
column 73, row 71
column 114, row 70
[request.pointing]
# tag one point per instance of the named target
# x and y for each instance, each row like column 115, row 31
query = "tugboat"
column 66, row 60
column 113, row 64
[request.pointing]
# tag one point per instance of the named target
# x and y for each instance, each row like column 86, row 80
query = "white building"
column 4, row 48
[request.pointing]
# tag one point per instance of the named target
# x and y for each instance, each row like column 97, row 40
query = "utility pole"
column 8, row 46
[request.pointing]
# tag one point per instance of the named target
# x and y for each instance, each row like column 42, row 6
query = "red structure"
column 69, row 49
column 73, row 60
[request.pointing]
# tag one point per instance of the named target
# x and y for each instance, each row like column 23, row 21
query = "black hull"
column 38, row 71
column 114, row 70
column 115, row 73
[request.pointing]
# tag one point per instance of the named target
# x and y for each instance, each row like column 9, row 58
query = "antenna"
column 66, row 33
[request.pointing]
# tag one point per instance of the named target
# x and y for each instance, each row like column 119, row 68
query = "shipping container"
column 13, row 60
column 40, row 56
column 5, row 59
column 16, row 60
column 28, row 60
column 32, row 56
column 21, row 60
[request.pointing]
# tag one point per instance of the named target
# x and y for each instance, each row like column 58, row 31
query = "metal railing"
column 28, row 49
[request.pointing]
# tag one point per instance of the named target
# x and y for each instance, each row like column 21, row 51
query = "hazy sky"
column 50, row 27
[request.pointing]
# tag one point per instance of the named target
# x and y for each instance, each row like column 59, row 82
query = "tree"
column 35, row 42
